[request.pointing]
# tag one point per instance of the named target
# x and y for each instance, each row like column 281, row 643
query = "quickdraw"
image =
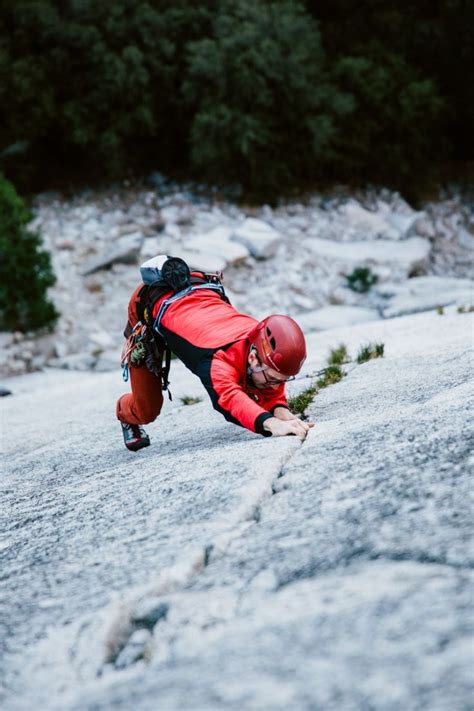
column 145, row 343
column 132, row 343
column 140, row 348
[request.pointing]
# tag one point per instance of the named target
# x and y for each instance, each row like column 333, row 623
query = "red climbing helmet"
column 280, row 344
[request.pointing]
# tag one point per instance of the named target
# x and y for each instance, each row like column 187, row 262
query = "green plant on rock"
column 332, row 374
column 370, row 351
column 190, row 400
column 300, row 402
column 362, row 279
column 25, row 269
column 338, row 355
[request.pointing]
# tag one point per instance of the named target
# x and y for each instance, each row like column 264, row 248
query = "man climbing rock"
column 243, row 364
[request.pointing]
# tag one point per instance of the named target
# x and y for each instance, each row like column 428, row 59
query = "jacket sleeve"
column 276, row 398
column 229, row 398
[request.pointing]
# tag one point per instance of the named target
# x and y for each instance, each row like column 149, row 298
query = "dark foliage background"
column 25, row 268
column 272, row 95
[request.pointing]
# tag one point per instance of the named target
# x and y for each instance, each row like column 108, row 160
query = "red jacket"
column 210, row 337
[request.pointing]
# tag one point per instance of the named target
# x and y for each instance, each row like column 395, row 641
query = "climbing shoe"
column 134, row 436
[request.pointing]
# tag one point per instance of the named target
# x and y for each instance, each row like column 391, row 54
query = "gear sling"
column 144, row 343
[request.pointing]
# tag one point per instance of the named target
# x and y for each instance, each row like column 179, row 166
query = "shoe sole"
column 135, row 446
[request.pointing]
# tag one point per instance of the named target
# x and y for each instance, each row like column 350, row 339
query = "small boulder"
column 124, row 251
column 78, row 361
column 108, row 360
column 260, row 238
column 425, row 294
column 407, row 255
column 6, row 339
column 101, row 338
column 66, row 244
column 466, row 239
column 134, row 650
column 406, row 225
column 128, row 228
column 367, row 222
column 218, row 242
column 201, row 261
column 148, row 614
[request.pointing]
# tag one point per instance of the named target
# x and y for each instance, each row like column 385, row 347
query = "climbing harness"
column 145, row 344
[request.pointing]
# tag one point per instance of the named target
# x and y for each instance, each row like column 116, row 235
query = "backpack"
column 145, row 343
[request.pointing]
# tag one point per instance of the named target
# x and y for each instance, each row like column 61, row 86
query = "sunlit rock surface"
column 221, row 570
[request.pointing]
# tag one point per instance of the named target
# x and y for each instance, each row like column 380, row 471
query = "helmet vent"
column 271, row 338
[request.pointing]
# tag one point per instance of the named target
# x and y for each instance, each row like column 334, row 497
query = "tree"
column 388, row 136
column 25, row 269
column 264, row 110
column 90, row 88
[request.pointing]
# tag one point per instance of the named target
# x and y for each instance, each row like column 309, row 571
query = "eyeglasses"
column 270, row 381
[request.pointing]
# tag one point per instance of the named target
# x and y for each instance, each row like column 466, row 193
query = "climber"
column 242, row 363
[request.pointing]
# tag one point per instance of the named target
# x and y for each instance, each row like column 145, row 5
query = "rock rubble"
column 291, row 259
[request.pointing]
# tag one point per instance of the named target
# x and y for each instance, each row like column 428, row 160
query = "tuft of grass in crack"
column 370, row 351
column 189, row 400
column 440, row 310
column 332, row 374
column 299, row 403
column 338, row 355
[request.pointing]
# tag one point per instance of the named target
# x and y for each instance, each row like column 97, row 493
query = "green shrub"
column 361, row 280
column 25, row 269
column 338, row 355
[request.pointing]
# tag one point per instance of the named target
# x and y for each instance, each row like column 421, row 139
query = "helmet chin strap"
column 250, row 370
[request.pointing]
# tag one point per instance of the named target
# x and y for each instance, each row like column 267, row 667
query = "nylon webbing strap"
column 165, row 372
column 180, row 295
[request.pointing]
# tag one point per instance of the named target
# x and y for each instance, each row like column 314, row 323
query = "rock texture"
column 221, row 570
column 335, row 316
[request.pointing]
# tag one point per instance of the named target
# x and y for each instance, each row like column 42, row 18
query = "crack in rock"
column 126, row 647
